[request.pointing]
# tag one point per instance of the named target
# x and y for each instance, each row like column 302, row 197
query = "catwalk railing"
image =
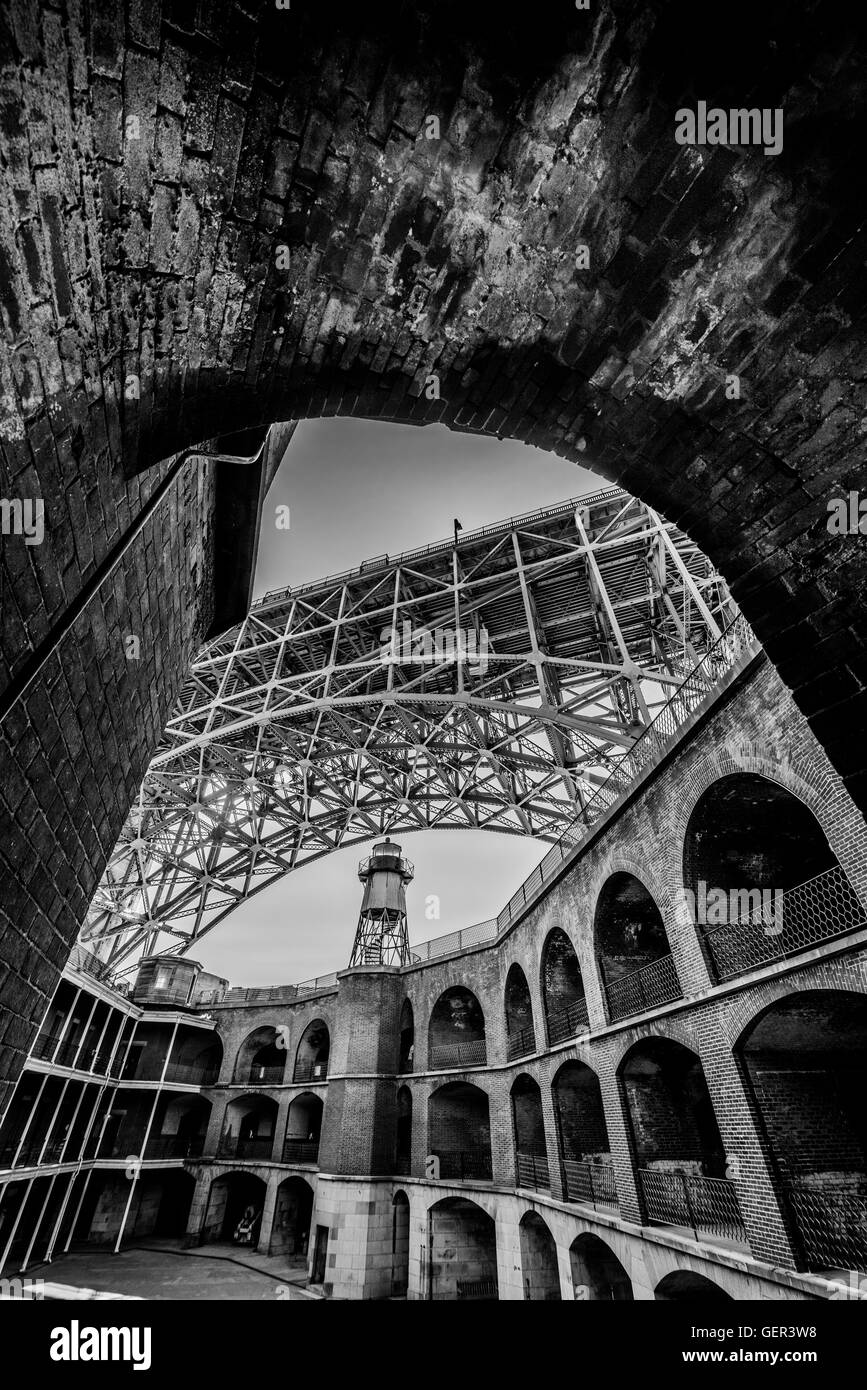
column 815, row 911
column 446, row 1056
column 590, row 1183
column 531, row 1170
column 566, row 1022
column 735, row 646
column 707, row 1206
column 260, row 1146
column 300, row 1150
column 521, row 1043
column 465, row 1164
column 832, row 1224
column 646, row 988
column 310, row 1071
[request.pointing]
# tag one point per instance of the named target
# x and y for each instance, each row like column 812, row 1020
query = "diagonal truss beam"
column 489, row 686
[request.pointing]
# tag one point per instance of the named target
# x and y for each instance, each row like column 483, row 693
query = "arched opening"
column 562, row 988
column 597, row 1274
column 293, row 1210
column 582, row 1137
column 632, row 948
column 531, row 1152
column 248, row 1128
column 179, row 1127
column 407, row 1037
column 678, row 1147
column 311, row 1058
column 459, row 1131
column 234, row 1212
column 539, row 1268
column 261, row 1059
column 456, row 1036
column 403, row 1154
column 762, row 881
column 520, row 1033
column 462, row 1240
column 806, row 1061
column 400, row 1245
column 303, row 1129
column 682, row 1286
column 196, row 1058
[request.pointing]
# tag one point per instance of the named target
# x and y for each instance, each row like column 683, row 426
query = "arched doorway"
column 805, row 1059
column 400, row 1245
column 539, row 1268
column 303, row 1129
column 407, row 1037
column 528, row 1123
column 597, row 1274
column 562, row 988
column 459, row 1131
column 761, row 880
column 290, row 1235
column 679, row 1151
column 635, row 960
column 314, row 1047
column 582, row 1136
column 261, row 1060
column 462, row 1252
column 520, row 1033
column 248, row 1128
column 456, row 1035
column 236, row 1202
column 403, row 1154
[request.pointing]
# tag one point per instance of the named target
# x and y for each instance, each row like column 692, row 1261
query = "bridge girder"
column 342, row 710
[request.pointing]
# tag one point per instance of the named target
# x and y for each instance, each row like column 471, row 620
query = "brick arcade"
column 218, row 219
column 502, row 1120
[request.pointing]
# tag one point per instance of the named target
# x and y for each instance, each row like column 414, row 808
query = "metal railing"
column 832, row 1224
column 815, row 911
column 262, row 1146
column 30, row 1152
column 403, row 1165
column 737, row 644
column 446, row 1056
column 276, row 596
column 300, row 1150
column 646, row 988
column 478, row 1290
column 191, row 1074
column 273, row 1075
column 590, row 1183
column 707, row 1206
column 566, row 1022
column 531, row 1170
column 175, row 1146
column 521, row 1044
column 466, row 1164
column 310, row 1071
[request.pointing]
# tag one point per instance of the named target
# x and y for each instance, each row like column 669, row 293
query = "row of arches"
column 463, row 1262
column 802, row 1063
column 749, row 844
column 250, row 1126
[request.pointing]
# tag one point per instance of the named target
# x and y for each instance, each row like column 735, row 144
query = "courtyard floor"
column 162, row 1270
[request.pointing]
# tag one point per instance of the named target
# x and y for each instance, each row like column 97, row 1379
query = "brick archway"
column 159, row 157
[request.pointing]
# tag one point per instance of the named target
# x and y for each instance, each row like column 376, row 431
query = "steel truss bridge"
column 491, row 684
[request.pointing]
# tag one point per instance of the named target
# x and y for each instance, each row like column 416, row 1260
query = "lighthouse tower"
column 381, row 937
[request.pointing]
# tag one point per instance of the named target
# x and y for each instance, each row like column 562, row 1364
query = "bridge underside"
column 488, row 686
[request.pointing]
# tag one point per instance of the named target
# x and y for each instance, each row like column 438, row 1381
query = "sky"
column 356, row 489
